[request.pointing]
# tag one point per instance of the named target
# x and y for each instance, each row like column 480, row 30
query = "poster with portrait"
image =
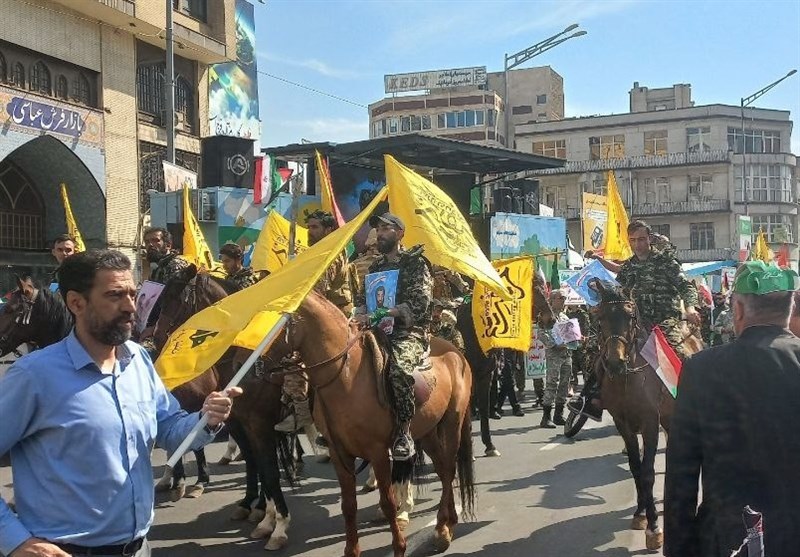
column 535, row 361
column 145, row 300
column 381, row 289
column 567, row 333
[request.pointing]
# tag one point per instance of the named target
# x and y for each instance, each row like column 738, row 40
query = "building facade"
column 679, row 167
column 82, row 90
column 476, row 112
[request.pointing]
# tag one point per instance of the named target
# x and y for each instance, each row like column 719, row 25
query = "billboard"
column 233, row 86
column 594, row 212
column 744, row 230
column 514, row 234
column 437, row 79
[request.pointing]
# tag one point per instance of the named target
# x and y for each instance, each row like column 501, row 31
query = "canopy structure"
column 706, row 267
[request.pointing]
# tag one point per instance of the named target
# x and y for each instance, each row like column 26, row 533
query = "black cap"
column 386, row 218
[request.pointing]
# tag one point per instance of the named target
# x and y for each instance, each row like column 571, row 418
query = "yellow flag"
column 272, row 247
column 431, row 218
column 617, row 246
column 72, row 226
column 244, row 318
column 506, row 324
column 326, row 195
column 761, row 249
column 195, row 247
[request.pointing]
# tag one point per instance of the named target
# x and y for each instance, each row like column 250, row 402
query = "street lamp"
column 747, row 101
column 514, row 60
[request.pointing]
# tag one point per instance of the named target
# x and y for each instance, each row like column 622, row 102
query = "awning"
column 706, row 267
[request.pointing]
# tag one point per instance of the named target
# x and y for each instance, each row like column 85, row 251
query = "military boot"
column 298, row 420
column 547, row 421
column 558, row 416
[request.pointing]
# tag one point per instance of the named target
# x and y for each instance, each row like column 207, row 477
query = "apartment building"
column 679, row 167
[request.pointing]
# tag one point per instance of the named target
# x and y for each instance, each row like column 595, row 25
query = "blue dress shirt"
column 80, row 443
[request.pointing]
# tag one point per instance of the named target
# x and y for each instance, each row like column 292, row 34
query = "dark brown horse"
column 253, row 417
column 342, row 369
column 33, row 315
column 634, row 395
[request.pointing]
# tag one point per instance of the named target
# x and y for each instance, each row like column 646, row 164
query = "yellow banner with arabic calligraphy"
column 272, row 247
column 506, row 323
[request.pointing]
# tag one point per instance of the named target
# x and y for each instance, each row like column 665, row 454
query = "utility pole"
column 169, row 124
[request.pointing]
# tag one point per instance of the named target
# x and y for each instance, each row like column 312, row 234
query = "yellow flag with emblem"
column 432, row 219
column 195, row 247
column 506, row 323
column 761, row 248
column 271, row 251
column 244, row 318
column 72, row 226
column 617, row 246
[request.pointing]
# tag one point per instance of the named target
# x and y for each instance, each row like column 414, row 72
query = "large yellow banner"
column 271, row 251
column 616, row 246
column 594, row 213
column 244, row 318
column 195, row 247
column 506, row 323
column 72, row 226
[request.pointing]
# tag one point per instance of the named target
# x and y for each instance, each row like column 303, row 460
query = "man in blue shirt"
column 80, row 419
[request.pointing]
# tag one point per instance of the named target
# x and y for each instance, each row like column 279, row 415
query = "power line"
column 307, row 88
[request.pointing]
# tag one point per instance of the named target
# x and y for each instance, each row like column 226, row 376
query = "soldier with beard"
column 231, row 257
column 412, row 315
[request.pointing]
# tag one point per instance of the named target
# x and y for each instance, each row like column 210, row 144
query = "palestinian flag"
column 662, row 357
column 268, row 180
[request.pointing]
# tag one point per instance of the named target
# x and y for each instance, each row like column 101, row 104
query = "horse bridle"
column 628, row 341
column 22, row 317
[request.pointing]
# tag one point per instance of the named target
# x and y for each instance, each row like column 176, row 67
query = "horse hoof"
column 402, row 522
column 256, row 516
column 261, row 532
column 654, row 540
column 491, row 452
column 162, row 487
column 224, row 461
column 195, row 491
column 276, row 542
column 639, row 522
column 240, row 513
column 442, row 540
column 177, row 493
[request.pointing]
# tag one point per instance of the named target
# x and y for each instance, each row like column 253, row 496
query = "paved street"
column 546, row 496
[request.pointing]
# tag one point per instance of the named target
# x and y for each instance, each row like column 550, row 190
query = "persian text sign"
column 437, row 79
column 536, row 357
column 595, row 216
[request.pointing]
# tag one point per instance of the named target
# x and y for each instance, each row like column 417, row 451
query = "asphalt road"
column 545, row 496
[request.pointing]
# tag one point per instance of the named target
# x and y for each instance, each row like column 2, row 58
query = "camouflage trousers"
column 675, row 336
column 295, row 386
column 405, row 356
column 559, row 372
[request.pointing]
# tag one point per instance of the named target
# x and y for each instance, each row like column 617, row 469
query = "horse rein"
column 23, row 317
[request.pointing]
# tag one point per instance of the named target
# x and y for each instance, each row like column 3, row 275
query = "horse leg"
column 445, row 467
column 404, row 495
column 178, row 489
column 272, row 481
column 383, row 474
column 345, row 468
column 243, row 507
column 195, row 491
column 372, row 483
column 165, row 483
column 483, row 396
column 631, row 440
column 230, row 451
column 654, row 536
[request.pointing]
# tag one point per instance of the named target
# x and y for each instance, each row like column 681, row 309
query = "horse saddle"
column 424, row 376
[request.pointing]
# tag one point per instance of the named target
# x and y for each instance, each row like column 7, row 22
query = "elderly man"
column 730, row 428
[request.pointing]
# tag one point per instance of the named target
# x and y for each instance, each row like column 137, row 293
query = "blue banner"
column 580, row 281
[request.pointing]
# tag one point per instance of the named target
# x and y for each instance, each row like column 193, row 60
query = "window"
column 777, row 228
column 461, row 119
column 556, row 197
column 393, row 123
column 701, row 235
column 416, row 123
column 440, row 121
column 698, row 139
column 700, row 187
column 405, row 124
column 597, row 186
column 655, row 143
column 479, row 117
column 18, row 75
column 81, row 92
column 607, row 147
column 198, row 9
column 556, row 148
column 656, row 190
column 766, row 182
column 662, row 229
column 426, row 121
column 151, row 168
column 40, row 79
column 3, row 69
column 62, row 88
column 21, row 210
column 184, row 103
column 491, row 117
column 541, row 99
column 755, row 141
column 150, row 88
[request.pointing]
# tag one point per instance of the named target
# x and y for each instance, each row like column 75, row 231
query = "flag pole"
column 234, row 382
column 295, row 190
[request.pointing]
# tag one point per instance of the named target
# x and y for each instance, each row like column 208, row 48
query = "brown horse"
column 343, row 370
column 33, row 315
column 634, row 395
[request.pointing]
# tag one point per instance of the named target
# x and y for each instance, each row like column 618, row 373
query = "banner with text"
column 594, row 213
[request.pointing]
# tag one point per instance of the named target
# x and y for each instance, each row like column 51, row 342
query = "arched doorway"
column 31, row 211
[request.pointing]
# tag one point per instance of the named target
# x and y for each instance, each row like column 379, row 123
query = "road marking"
column 550, row 446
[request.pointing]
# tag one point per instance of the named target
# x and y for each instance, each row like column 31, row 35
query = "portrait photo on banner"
column 381, row 289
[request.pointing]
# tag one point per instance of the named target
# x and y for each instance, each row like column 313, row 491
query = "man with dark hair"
column 80, row 418
column 232, row 257
column 63, row 247
column 412, row 315
column 167, row 262
column 729, row 428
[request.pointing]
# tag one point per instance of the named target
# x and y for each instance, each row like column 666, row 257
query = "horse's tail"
column 285, row 444
column 402, row 471
column 466, row 471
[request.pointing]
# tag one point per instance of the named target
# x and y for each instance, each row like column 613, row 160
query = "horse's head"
column 15, row 316
column 618, row 323
column 177, row 301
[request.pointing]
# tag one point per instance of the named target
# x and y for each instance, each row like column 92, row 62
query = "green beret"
column 756, row 277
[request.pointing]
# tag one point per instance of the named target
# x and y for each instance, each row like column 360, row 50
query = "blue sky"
column 726, row 50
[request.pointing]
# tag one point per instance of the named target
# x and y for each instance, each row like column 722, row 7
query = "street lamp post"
column 512, row 61
column 747, row 101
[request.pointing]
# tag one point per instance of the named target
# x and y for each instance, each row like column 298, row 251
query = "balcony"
column 125, row 6
column 681, row 207
column 693, row 255
column 639, row 162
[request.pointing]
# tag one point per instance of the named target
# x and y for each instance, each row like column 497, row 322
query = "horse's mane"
column 228, row 286
column 614, row 293
column 51, row 311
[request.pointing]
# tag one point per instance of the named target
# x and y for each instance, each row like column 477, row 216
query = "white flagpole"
column 263, row 345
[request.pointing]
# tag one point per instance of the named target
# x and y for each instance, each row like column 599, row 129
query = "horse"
column 33, row 315
column 253, row 417
column 634, row 395
column 485, row 367
column 344, row 365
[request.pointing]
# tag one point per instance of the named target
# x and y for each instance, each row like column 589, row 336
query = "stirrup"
column 405, row 443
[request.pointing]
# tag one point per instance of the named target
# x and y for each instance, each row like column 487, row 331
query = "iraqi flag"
column 662, row 357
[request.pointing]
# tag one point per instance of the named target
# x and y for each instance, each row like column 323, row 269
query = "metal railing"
column 673, row 207
column 715, row 254
column 641, row 161
column 125, row 6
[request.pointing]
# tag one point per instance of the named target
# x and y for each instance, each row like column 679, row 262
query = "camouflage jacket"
column 167, row 267
column 335, row 284
column 447, row 284
column 414, row 297
column 723, row 328
column 243, row 278
column 450, row 334
column 658, row 285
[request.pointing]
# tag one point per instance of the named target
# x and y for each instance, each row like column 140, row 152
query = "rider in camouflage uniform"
column 447, row 284
column 231, row 256
column 559, row 368
column 443, row 325
column 412, row 315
